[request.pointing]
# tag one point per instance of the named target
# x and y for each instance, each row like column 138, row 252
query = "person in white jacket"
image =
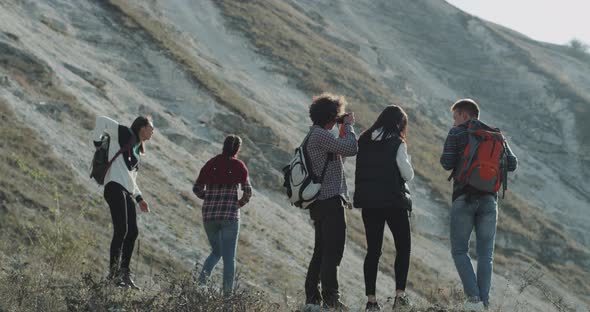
column 121, row 191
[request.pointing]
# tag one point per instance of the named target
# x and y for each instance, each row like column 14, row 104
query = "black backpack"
column 100, row 161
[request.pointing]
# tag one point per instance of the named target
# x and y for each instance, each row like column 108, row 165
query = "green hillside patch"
column 41, row 205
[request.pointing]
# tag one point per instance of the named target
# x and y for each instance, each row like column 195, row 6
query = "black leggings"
column 124, row 225
column 399, row 224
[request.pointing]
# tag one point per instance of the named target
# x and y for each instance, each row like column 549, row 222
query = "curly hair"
column 326, row 107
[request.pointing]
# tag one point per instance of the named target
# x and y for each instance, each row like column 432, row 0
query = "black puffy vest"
column 378, row 182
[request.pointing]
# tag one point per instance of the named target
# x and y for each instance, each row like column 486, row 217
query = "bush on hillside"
column 578, row 46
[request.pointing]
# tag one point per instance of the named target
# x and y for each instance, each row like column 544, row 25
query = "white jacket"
column 120, row 170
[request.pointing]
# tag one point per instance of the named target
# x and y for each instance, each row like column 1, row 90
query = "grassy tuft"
column 24, row 288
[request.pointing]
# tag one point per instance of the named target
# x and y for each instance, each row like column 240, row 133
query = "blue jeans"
column 223, row 238
column 479, row 212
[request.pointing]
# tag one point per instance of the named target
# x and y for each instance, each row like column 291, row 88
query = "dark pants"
column 330, row 234
column 398, row 222
column 124, row 224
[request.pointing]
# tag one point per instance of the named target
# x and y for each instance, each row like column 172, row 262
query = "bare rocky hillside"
column 204, row 69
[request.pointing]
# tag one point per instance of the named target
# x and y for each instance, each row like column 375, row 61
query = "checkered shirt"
column 220, row 202
column 321, row 142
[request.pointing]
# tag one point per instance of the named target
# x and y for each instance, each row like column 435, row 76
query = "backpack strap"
column 124, row 148
column 328, row 157
column 315, row 178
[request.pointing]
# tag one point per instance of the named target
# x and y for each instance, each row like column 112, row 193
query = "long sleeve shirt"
column 323, row 146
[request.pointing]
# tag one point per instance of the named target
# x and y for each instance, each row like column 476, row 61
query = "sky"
column 554, row 21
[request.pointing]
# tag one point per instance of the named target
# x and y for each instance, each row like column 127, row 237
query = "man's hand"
column 143, row 205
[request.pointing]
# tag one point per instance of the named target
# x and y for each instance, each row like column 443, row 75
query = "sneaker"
column 312, row 307
column 402, row 303
column 473, row 304
column 372, row 307
column 126, row 280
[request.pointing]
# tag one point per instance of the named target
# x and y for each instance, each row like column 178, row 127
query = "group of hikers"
column 383, row 167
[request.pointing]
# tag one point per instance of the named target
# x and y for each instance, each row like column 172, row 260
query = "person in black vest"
column 382, row 169
column 121, row 190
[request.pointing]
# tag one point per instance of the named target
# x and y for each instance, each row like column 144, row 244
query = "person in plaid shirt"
column 217, row 185
column 327, row 212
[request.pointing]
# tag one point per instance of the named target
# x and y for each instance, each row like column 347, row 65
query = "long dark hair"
column 231, row 145
column 394, row 121
column 137, row 124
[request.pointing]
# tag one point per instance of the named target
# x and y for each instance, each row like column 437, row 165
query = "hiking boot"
column 402, row 303
column 114, row 277
column 473, row 304
column 372, row 307
column 126, row 280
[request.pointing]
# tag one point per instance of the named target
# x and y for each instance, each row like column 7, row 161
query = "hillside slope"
column 205, row 69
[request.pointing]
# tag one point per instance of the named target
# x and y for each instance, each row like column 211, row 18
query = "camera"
column 340, row 119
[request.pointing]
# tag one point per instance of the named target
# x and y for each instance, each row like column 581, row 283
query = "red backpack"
column 484, row 162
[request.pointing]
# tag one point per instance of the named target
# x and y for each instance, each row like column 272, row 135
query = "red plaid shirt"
column 220, row 202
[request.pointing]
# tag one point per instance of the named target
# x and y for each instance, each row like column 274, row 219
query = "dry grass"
column 39, row 198
column 25, row 288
